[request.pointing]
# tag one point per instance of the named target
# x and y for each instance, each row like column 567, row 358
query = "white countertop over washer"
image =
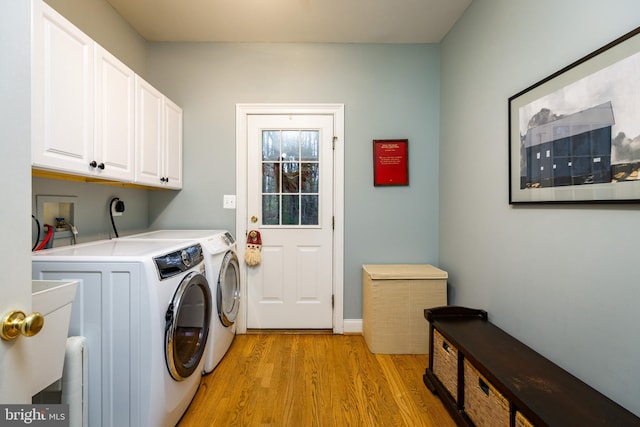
column 116, row 249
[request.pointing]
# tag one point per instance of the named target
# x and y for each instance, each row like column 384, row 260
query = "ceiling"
column 292, row 21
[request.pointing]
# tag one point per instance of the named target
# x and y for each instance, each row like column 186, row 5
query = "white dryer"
column 223, row 274
column 145, row 308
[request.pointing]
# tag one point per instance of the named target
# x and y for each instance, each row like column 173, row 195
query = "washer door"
column 228, row 298
column 187, row 328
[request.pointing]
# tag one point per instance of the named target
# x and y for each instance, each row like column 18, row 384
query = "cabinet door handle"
column 100, row 166
column 93, row 164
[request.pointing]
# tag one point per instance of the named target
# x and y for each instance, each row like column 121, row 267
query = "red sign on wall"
column 390, row 162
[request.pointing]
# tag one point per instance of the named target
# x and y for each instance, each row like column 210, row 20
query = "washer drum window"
column 187, row 327
column 228, row 298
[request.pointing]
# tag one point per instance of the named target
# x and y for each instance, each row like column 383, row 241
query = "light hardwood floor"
column 314, row 380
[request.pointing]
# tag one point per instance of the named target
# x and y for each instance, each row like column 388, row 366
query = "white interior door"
column 290, row 202
column 15, row 286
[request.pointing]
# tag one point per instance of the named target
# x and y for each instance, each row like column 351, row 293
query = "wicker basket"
column 445, row 363
column 522, row 421
column 484, row 405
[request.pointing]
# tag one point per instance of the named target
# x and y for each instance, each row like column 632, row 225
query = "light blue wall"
column 563, row 279
column 389, row 91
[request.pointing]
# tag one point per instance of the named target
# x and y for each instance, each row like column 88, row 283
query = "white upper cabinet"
column 115, row 117
column 173, row 144
column 62, row 85
column 158, row 138
column 93, row 116
column 149, row 134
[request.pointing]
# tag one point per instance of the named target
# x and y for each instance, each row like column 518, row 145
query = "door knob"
column 16, row 323
column 254, row 219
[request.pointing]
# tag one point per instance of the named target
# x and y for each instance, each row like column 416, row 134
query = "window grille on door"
column 290, row 177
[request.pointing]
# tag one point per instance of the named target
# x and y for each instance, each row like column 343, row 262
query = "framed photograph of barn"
column 574, row 137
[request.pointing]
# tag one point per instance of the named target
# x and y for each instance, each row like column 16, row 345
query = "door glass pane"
column 309, row 183
column 309, row 144
column 270, row 177
column 290, row 210
column 271, row 209
column 290, row 145
column 290, row 177
column 309, row 210
column 270, row 145
column 290, row 186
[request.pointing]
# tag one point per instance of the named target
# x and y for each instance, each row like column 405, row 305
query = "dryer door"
column 228, row 298
column 187, row 328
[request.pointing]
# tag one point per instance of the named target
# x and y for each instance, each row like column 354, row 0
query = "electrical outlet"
column 229, row 201
column 114, row 212
column 117, row 207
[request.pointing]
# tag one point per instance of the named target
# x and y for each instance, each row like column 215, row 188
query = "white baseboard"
column 352, row 326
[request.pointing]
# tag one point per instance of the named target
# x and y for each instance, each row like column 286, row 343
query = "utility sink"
column 46, row 350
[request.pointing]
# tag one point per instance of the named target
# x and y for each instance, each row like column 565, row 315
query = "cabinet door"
column 62, row 82
column 173, row 147
column 149, row 134
column 115, row 117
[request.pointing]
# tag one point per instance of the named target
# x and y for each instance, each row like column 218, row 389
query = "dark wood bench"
column 537, row 392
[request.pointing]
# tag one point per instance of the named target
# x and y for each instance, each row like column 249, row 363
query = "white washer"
column 145, row 309
column 223, row 274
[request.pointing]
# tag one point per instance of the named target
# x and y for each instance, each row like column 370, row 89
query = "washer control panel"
column 173, row 263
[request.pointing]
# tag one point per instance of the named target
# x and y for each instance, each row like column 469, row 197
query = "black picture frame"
column 574, row 137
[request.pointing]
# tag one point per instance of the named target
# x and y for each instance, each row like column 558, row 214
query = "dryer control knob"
column 186, row 258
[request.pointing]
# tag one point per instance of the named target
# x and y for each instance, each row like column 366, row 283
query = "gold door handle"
column 254, row 219
column 16, row 323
